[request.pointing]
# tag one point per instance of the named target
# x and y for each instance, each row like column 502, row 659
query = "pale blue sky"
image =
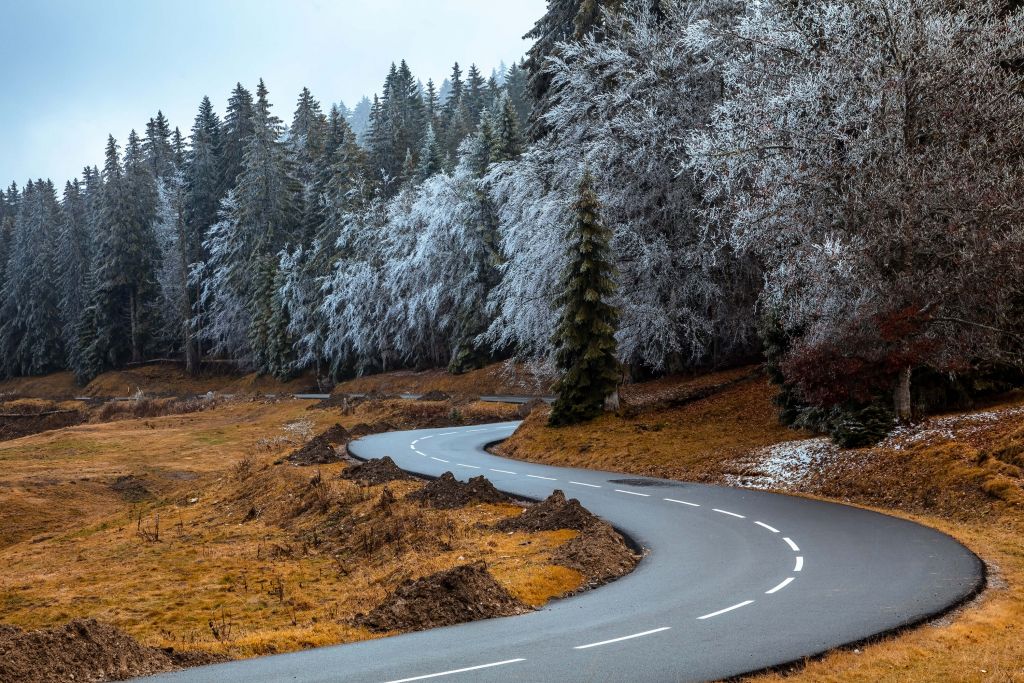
column 71, row 71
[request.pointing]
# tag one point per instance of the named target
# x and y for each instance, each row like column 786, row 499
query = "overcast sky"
column 73, row 71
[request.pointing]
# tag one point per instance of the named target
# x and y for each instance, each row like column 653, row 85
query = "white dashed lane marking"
column 633, row 493
column 799, row 563
column 457, row 671
column 580, row 483
column 769, row 528
column 780, row 586
column 501, row 471
column 792, row 545
column 683, row 502
column 727, row 609
column 438, row 459
column 537, row 476
column 731, row 514
column 619, row 640
column 472, row 467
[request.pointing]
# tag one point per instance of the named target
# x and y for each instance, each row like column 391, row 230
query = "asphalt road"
column 734, row 581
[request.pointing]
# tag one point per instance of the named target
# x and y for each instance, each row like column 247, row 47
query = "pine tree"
column 238, row 128
column 507, row 144
column 585, row 339
column 74, row 258
column 157, row 146
column 517, row 87
column 125, row 276
column 431, row 156
column 30, row 333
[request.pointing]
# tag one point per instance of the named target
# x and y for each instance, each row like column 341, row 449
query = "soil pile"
column 434, row 395
column 318, row 451
column 375, row 472
column 362, row 429
column 83, row 650
column 553, row 514
column 599, row 554
column 464, row 593
column 337, row 435
column 448, row 493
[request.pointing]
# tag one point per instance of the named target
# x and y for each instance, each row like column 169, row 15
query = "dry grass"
column 691, row 441
column 180, row 531
column 496, row 379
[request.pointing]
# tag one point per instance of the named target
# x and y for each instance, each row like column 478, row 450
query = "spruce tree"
column 238, row 128
column 585, row 346
column 507, row 144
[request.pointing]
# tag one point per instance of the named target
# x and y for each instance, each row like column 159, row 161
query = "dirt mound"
column 464, row 593
column 318, row 451
column 337, row 435
column 83, row 650
column 131, row 488
column 447, row 492
column 599, row 553
column 362, row 429
column 554, row 513
column 434, row 395
column 374, row 472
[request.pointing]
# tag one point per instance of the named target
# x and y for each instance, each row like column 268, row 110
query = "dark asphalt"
column 831, row 575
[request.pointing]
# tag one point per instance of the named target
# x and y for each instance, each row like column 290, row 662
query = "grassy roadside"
column 181, row 531
column 961, row 474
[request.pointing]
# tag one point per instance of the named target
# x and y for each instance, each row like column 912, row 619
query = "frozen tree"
column 867, row 154
column 627, row 106
column 30, row 331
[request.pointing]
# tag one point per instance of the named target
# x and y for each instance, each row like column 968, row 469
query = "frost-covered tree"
column 30, row 321
column 627, row 107
column 258, row 219
column 868, row 154
column 585, row 348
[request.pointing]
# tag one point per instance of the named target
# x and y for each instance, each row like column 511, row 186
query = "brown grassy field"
column 149, row 525
column 157, row 379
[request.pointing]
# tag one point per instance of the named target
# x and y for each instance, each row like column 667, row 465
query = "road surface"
column 734, row 581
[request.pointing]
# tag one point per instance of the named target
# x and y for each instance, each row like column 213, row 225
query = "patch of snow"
column 784, row 465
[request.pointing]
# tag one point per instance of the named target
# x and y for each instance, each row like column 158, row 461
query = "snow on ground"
column 784, row 465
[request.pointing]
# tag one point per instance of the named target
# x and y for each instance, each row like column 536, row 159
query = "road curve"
column 734, row 581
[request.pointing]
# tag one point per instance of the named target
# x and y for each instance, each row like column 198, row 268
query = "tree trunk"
column 611, row 402
column 901, row 396
column 133, row 304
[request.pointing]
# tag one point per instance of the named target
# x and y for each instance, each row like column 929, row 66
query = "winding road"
column 734, row 581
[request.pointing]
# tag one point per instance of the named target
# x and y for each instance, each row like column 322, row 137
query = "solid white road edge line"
column 458, row 671
column 799, row 563
column 537, row 476
column 682, row 502
column 580, row 483
column 792, row 545
column 769, row 528
column 633, row 493
column 502, row 471
column 617, row 640
column 472, row 467
column 731, row 514
column 727, row 609
column 780, row 586
column 438, row 459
